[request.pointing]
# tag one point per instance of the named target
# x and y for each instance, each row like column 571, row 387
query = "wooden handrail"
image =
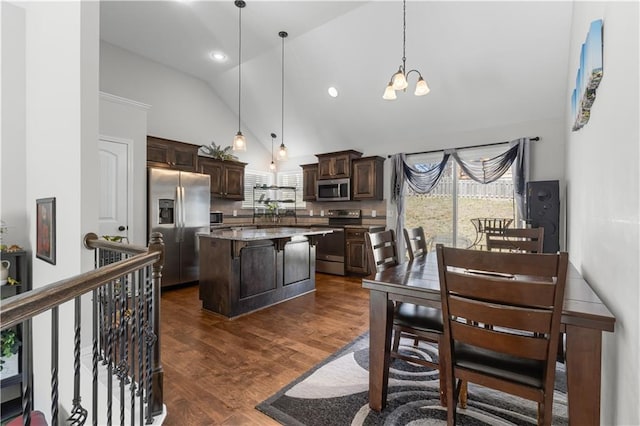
column 24, row 306
column 91, row 241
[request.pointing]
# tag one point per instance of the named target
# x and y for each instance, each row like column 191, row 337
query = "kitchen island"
column 242, row 270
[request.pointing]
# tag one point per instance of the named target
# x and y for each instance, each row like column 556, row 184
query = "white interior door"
column 114, row 187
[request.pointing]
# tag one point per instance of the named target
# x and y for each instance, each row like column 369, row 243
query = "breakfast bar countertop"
column 253, row 234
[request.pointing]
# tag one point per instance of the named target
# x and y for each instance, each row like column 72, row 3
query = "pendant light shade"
column 399, row 80
column 282, row 153
column 239, row 142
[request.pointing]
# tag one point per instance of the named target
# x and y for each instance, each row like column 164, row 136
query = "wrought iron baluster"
column 139, row 331
column 109, row 351
column 54, row 365
column 78, row 412
column 150, row 338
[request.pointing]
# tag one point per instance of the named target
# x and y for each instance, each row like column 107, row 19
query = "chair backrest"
column 382, row 250
column 416, row 243
column 526, row 240
column 519, row 294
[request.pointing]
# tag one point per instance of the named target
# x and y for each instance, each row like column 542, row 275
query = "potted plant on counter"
column 9, row 345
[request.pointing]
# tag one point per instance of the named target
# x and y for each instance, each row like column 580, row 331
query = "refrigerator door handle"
column 183, row 214
column 178, row 214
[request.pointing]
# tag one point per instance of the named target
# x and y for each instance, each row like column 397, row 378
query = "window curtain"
column 397, row 198
column 482, row 171
column 521, row 176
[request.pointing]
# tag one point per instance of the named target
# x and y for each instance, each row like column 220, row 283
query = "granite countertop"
column 264, row 233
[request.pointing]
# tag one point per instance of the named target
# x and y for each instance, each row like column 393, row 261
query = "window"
column 251, row 179
column 447, row 211
column 293, row 178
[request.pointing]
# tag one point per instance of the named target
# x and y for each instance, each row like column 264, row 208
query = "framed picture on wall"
column 46, row 229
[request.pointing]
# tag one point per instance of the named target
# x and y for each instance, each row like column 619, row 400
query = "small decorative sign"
column 588, row 77
column 46, row 229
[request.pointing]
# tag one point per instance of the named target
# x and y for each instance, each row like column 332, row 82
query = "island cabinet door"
column 257, row 269
column 296, row 261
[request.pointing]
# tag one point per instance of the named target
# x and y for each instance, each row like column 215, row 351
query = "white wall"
column 12, row 147
column 61, row 136
column 183, row 108
column 126, row 120
column 603, row 197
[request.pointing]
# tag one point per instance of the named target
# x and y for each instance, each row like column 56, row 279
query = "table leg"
column 380, row 321
column 584, row 352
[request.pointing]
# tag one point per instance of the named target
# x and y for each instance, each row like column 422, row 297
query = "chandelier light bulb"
column 272, row 166
column 389, row 93
column 399, row 80
column 421, row 87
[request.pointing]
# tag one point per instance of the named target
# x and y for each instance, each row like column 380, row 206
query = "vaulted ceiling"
column 488, row 64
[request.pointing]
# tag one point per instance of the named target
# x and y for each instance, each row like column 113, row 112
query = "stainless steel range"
column 330, row 250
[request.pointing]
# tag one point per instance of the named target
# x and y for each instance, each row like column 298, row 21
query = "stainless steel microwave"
column 334, row 190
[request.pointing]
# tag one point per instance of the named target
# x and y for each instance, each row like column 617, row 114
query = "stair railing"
column 125, row 297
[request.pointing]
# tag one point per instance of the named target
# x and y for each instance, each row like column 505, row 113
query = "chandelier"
column 399, row 79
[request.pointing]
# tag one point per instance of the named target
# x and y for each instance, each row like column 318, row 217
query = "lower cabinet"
column 356, row 251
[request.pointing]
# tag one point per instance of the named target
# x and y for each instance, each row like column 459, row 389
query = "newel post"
column 156, row 244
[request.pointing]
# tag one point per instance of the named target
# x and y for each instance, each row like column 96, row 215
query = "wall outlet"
column 310, row 213
column 235, row 213
column 322, row 213
column 373, row 213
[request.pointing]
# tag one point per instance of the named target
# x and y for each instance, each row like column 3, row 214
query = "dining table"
column 584, row 318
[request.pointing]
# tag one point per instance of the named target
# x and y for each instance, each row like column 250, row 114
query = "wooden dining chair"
column 524, row 240
column 521, row 294
column 415, row 241
column 416, row 321
column 528, row 240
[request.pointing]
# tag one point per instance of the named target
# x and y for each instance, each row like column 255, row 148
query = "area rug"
column 335, row 392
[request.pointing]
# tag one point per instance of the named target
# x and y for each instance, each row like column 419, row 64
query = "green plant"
column 114, row 238
column 218, row 152
column 9, row 344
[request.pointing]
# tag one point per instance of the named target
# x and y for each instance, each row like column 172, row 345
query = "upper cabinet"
column 172, row 154
column 367, row 182
column 336, row 164
column 309, row 179
column 227, row 177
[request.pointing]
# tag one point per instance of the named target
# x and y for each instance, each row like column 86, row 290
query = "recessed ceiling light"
column 218, row 56
column 333, row 92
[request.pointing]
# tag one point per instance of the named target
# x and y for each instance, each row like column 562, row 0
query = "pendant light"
column 282, row 153
column 239, row 142
column 272, row 166
column 399, row 79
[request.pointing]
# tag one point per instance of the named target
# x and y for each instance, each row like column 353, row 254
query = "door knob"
column 121, row 228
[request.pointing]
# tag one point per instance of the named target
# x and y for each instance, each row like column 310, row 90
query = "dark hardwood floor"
column 217, row 370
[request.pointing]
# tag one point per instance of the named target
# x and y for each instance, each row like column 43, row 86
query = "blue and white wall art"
column 588, row 76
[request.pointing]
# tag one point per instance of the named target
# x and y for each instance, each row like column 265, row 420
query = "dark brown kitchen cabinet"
column 356, row 251
column 309, row 179
column 336, row 164
column 367, row 178
column 172, row 154
column 227, row 177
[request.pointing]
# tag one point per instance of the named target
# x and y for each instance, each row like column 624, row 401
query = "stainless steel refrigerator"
column 178, row 207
